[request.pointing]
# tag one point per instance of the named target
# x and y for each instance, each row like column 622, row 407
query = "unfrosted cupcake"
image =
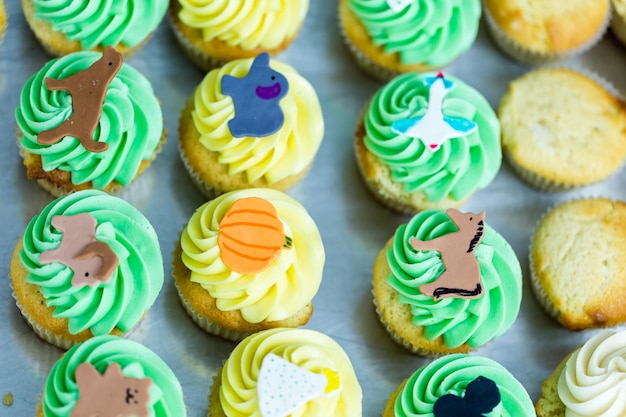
column 427, row 141
column 589, row 382
column 282, row 372
column 577, row 263
column 460, row 385
column 247, row 261
column 549, row 30
column 111, row 376
column 251, row 123
column 63, row 27
column 213, row 32
column 562, row 129
column 102, row 137
column 389, row 37
column 89, row 264
column 446, row 282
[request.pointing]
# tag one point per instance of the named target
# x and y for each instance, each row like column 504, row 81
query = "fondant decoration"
column 251, row 235
column 461, row 277
column 398, row 5
column 88, row 89
column 93, row 262
column 256, row 97
column 481, row 397
column 110, row 394
column 282, row 387
column 433, row 128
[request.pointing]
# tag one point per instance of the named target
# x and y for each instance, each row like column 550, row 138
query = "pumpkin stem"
column 288, row 242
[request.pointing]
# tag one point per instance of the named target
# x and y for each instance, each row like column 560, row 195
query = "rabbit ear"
column 482, row 395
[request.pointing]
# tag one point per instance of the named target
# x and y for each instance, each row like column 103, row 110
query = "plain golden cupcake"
column 213, row 32
column 562, row 128
column 446, row 282
column 427, row 141
column 390, row 37
column 251, row 123
column 249, row 260
column 549, row 30
column 88, row 265
column 460, row 385
column 577, row 261
column 589, row 382
column 286, row 372
column 70, row 26
column 101, row 137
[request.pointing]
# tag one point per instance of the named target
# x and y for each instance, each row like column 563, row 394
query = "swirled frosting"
column 284, row 153
column 131, row 123
column 307, row 349
column 594, row 379
column 61, row 392
column 457, row 320
column 135, row 283
column 102, row 22
column 248, row 24
column 451, row 374
column 432, row 32
column 460, row 166
column 284, row 287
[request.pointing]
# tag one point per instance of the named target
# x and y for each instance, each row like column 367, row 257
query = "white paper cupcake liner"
column 210, row 192
column 521, row 54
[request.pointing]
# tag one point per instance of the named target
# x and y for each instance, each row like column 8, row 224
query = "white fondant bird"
column 398, row 5
column 433, row 128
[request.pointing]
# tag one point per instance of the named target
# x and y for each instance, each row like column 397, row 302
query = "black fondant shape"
column 256, row 97
column 481, row 397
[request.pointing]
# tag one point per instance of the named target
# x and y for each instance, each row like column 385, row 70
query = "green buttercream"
column 135, row 283
column 61, row 391
column 131, row 123
column 102, row 22
column 460, row 166
column 457, row 320
column 451, row 374
column 432, row 32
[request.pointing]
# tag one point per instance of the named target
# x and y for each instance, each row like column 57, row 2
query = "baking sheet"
column 353, row 226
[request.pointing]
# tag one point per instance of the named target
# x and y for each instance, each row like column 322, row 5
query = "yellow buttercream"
column 289, row 282
column 308, row 349
column 284, row 153
column 249, row 24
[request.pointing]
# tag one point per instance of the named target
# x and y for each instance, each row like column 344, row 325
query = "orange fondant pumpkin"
column 251, row 235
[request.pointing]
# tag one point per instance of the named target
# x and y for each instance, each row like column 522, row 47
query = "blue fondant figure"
column 481, row 397
column 256, row 97
column 433, row 128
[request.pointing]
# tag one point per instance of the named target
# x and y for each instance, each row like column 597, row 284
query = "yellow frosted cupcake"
column 63, row 27
column 249, row 260
column 213, row 32
column 251, row 123
column 282, row 372
column 588, row 382
column 562, row 129
column 548, row 30
column 578, row 261
column 618, row 20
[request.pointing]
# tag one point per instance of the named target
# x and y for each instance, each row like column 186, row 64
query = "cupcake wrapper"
column 208, row 191
column 209, row 326
column 516, row 51
column 201, row 60
column 366, row 64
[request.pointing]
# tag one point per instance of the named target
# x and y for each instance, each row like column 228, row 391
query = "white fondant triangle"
column 282, row 387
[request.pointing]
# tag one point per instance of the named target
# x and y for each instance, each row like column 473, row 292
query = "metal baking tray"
column 353, row 226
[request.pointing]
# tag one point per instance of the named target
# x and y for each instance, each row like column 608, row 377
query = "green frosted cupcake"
column 390, row 37
column 89, row 264
column 419, row 297
column 108, row 375
column 460, row 384
column 427, row 141
column 127, row 124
